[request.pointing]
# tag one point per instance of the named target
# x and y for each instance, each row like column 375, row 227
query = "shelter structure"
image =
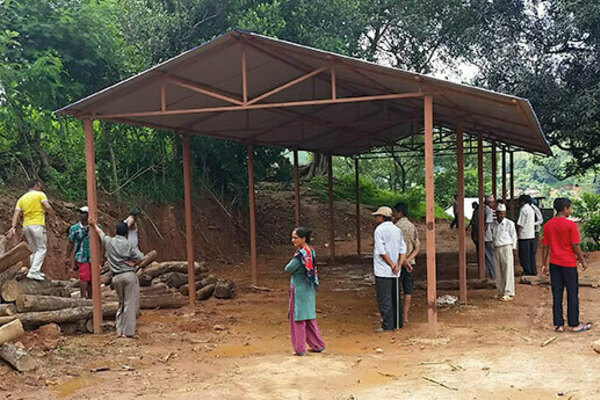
column 263, row 91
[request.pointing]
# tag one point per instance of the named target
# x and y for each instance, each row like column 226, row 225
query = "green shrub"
column 591, row 227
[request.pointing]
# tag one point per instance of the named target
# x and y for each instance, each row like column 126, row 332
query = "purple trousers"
column 303, row 332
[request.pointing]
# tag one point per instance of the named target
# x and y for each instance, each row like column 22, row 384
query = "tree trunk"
column 29, row 302
column 168, row 299
column 8, row 318
column 156, row 269
column 149, row 258
column 317, row 166
column 7, row 309
column 12, row 290
column 17, row 357
column 14, row 255
column 11, row 331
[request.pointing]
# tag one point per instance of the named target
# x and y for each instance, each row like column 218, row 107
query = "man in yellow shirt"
column 33, row 204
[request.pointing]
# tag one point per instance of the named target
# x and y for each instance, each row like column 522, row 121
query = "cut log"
column 14, row 255
column 8, row 318
column 11, row 331
column 30, row 302
column 205, row 292
column 148, row 258
column 3, row 245
column 156, row 269
column 185, row 289
column 17, row 357
column 209, row 280
column 10, row 273
column 35, row 319
column 173, row 279
column 7, row 309
column 586, row 281
column 168, row 299
column 12, row 290
column 224, row 289
column 73, row 328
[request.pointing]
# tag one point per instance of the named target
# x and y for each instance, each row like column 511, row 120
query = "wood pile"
column 28, row 304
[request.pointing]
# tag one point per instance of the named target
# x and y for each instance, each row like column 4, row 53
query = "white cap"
column 501, row 207
column 84, row 209
column 383, row 211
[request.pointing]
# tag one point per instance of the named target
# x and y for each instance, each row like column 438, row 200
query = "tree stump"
column 205, row 292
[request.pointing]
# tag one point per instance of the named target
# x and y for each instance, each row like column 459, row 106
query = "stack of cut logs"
column 28, row 304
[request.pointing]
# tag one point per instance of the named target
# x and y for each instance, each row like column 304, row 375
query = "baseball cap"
column 84, row 209
column 383, row 211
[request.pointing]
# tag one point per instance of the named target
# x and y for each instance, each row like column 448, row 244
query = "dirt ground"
column 232, row 349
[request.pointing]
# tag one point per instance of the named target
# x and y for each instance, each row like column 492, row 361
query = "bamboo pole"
column 357, row 189
column 481, row 209
column 252, row 214
column 331, row 210
column 296, row 189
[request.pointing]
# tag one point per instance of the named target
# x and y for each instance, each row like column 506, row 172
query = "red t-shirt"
column 561, row 234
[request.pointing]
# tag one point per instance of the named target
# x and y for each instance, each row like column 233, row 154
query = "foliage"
column 373, row 196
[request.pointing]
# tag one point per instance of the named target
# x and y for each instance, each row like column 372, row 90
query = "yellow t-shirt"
column 31, row 206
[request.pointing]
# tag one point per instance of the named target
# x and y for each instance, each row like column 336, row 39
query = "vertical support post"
column 296, row 189
column 244, row 76
column 460, row 181
column 504, row 176
column 357, row 189
column 430, row 216
column 90, row 169
column 512, row 186
column 252, row 206
column 333, row 84
column 331, row 212
column 481, row 209
column 494, row 172
column 189, row 228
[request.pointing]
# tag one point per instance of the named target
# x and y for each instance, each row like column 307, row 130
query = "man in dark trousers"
column 122, row 257
column 388, row 257
column 560, row 253
column 526, row 235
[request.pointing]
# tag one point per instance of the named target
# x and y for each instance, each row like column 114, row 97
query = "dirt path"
column 240, row 349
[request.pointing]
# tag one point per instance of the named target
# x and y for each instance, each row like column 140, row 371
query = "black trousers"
column 454, row 223
column 387, row 301
column 527, row 256
column 561, row 277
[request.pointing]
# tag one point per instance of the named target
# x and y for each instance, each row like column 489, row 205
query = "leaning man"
column 388, row 257
column 504, row 238
column 122, row 257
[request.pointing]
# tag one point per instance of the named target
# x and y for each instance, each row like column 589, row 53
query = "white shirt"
column 539, row 219
column 389, row 241
column 489, row 219
column 504, row 233
column 526, row 222
column 132, row 236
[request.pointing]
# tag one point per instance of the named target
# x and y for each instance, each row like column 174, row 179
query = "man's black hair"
column 386, row 218
column 525, row 199
column 134, row 212
column 402, row 207
column 122, row 228
column 32, row 183
column 560, row 203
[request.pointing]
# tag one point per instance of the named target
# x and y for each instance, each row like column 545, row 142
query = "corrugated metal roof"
column 341, row 128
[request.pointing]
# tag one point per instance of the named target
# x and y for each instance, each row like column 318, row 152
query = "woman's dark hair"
column 122, row 228
column 303, row 232
column 560, row 203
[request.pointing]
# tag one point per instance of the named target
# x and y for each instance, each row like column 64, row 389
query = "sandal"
column 582, row 328
column 559, row 329
column 319, row 350
column 300, row 354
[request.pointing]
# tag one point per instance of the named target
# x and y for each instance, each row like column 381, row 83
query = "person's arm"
column 69, row 261
column 130, row 222
column 545, row 259
column 293, row 265
column 50, row 212
column 15, row 221
column 575, row 240
column 513, row 235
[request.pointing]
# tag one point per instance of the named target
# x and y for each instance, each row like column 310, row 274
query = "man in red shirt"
column 561, row 251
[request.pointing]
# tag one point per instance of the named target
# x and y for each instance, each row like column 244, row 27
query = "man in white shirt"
column 539, row 221
column 388, row 257
column 526, row 234
column 504, row 238
column 490, row 208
